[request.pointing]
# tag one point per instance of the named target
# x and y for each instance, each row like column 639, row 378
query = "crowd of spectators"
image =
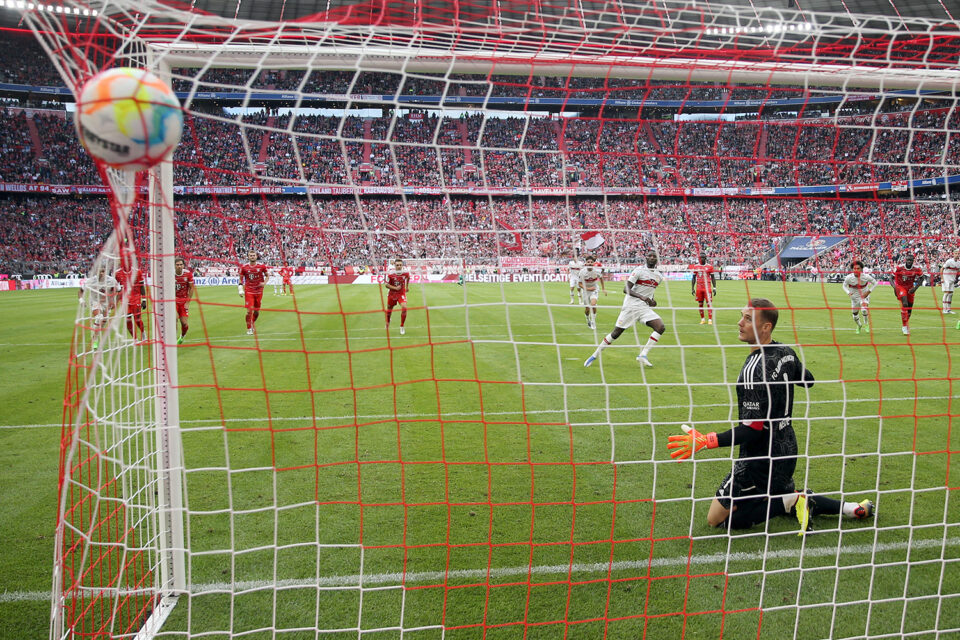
column 418, row 149
column 62, row 235
column 894, row 139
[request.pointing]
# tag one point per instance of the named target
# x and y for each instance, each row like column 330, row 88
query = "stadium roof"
column 277, row 10
column 295, row 9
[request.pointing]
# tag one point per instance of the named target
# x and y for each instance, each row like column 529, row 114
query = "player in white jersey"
column 574, row 277
column 590, row 283
column 858, row 286
column 100, row 292
column 275, row 281
column 948, row 280
column 637, row 307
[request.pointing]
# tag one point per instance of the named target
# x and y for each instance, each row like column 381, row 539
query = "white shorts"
column 97, row 307
column 948, row 284
column 574, row 280
column 590, row 296
column 632, row 312
column 856, row 302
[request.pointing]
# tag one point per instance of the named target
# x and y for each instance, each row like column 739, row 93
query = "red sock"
column 403, row 317
column 249, row 319
column 701, row 309
column 183, row 329
column 389, row 313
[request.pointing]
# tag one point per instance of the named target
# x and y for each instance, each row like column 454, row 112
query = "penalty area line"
column 398, row 579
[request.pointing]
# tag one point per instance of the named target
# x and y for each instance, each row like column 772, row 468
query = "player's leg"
column 947, row 287
column 391, row 303
column 701, row 298
column 248, row 305
column 855, row 310
column 739, row 505
column 709, row 302
column 403, row 314
column 626, row 319
column 655, row 323
column 809, row 504
column 183, row 315
column 865, row 312
column 906, row 309
column 257, row 298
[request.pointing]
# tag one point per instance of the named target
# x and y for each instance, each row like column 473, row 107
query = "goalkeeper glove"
column 682, row 447
column 143, row 305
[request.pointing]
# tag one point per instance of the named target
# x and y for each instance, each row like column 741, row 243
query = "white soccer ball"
column 128, row 118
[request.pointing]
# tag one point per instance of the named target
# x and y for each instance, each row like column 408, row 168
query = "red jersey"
column 701, row 273
column 904, row 278
column 399, row 278
column 184, row 281
column 122, row 277
column 253, row 277
column 286, row 273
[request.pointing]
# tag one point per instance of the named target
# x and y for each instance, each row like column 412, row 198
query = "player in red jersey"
column 253, row 276
column 703, row 286
column 136, row 300
column 287, row 274
column 906, row 281
column 185, row 290
column 398, row 282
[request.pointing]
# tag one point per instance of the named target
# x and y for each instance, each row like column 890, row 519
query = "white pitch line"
column 397, row 579
column 458, row 414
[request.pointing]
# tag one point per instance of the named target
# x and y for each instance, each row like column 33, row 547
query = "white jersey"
column 950, row 268
column 854, row 287
column 101, row 291
column 589, row 277
column 575, row 266
column 646, row 281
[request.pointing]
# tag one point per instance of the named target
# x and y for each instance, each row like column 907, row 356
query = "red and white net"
column 470, row 478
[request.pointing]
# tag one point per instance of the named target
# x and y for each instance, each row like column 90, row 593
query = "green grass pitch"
column 515, row 507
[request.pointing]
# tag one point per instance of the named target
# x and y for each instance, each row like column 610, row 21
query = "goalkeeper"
column 760, row 486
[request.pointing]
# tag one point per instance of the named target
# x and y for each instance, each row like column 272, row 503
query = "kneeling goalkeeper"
column 760, row 486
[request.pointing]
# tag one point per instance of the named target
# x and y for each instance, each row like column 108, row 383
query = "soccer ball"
column 128, row 118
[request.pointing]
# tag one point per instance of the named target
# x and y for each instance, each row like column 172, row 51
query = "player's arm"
column 683, row 446
column 628, row 290
column 871, row 283
column 693, row 284
column 713, row 282
column 846, row 287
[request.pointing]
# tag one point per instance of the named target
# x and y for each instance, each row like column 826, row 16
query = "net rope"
column 471, row 477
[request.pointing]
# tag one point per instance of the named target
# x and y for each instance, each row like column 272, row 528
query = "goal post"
column 313, row 473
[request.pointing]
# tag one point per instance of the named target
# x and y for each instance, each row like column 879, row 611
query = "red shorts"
column 901, row 293
column 288, row 281
column 393, row 299
column 133, row 309
column 182, row 311
column 704, row 295
column 252, row 300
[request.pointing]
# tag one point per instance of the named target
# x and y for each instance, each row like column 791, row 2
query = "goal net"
column 347, row 461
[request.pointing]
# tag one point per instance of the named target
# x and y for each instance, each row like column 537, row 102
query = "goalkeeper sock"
column 652, row 340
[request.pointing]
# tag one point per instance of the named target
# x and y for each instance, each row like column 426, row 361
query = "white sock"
column 652, row 340
column 856, row 319
column 603, row 345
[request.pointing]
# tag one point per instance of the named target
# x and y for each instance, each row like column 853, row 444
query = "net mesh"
column 466, row 476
